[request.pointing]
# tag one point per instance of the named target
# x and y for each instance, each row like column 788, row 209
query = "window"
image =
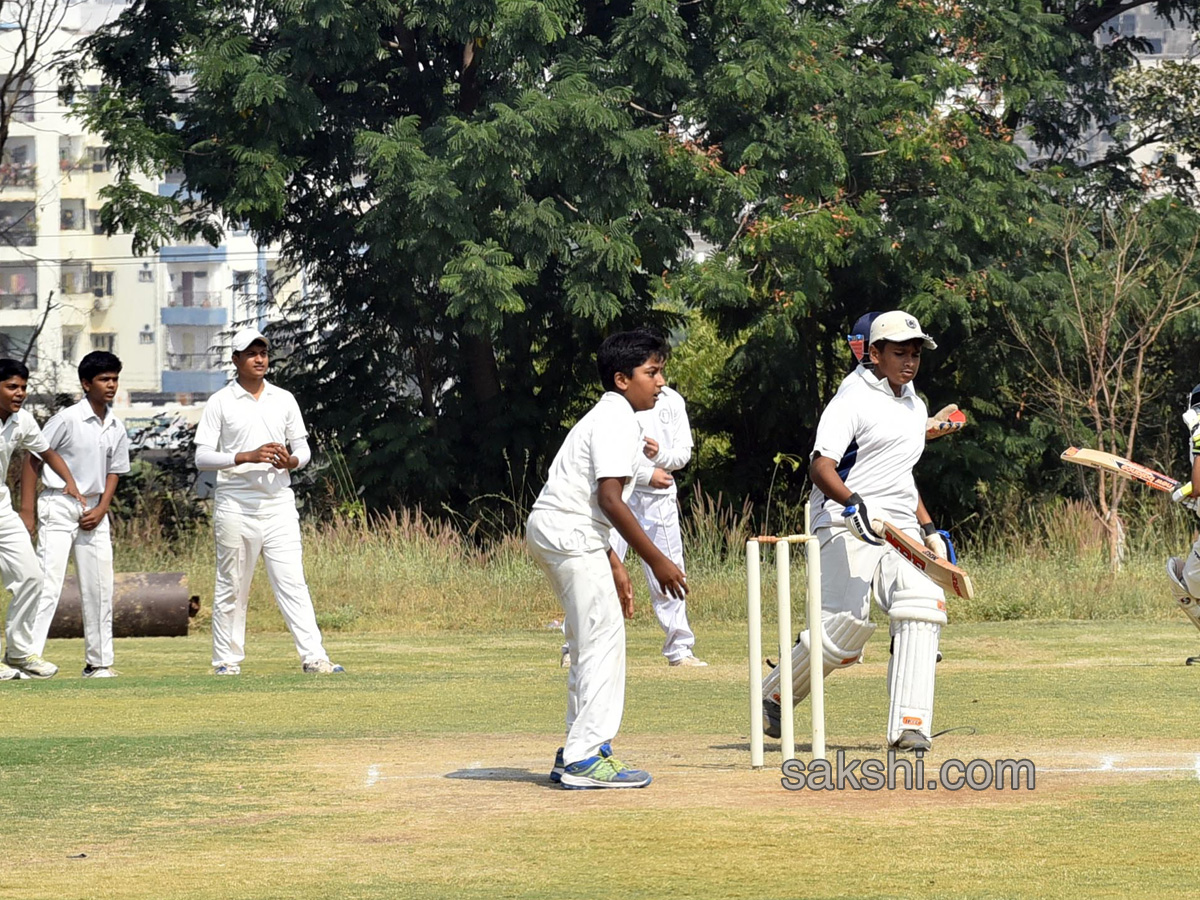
column 70, row 344
column 18, row 286
column 102, row 283
column 76, row 278
column 98, row 157
column 72, row 215
column 146, row 336
column 23, row 103
column 97, row 225
column 17, row 169
column 18, row 224
column 146, row 276
column 15, row 343
column 104, row 340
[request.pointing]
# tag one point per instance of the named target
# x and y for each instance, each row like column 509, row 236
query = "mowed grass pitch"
column 422, row 774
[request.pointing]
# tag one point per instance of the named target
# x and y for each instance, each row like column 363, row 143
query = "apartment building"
column 67, row 289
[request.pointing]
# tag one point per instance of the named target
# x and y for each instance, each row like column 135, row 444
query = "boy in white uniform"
column 96, row 448
column 655, row 503
column 585, row 497
column 253, row 435
column 1184, row 574
column 869, row 438
column 18, row 563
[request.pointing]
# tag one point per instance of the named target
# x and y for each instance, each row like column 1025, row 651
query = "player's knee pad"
column 911, row 676
column 1179, row 589
column 916, row 605
column 845, row 637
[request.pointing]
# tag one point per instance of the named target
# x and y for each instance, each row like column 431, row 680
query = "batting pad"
column 845, row 637
column 1189, row 604
column 910, row 677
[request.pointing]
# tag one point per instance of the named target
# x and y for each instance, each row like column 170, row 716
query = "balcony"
column 194, row 373
column 15, row 176
column 18, row 301
column 203, row 299
column 18, row 224
column 195, row 362
column 204, row 308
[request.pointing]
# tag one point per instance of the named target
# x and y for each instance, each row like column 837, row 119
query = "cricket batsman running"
column 869, row 438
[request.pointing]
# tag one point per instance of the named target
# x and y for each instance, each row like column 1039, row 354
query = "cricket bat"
column 945, row 575
column 1098, row 459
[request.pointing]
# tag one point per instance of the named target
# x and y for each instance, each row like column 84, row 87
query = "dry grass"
column 409, row 571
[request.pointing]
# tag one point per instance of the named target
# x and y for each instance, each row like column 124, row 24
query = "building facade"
column 67, row 289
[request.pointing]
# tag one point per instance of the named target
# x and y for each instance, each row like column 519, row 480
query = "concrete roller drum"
column 145, row 604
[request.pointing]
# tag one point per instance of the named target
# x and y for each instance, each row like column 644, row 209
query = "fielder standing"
column 869, row 438
column 655, row 502
column 253, row 435
column 18, row 563
column 96, row 448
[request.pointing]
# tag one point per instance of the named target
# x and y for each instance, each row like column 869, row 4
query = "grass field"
column 422, row 774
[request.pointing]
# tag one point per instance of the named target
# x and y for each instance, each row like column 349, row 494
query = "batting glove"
column 934, row 541
column 858, row 521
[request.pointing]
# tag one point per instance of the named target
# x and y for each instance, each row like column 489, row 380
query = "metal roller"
column 145, row 604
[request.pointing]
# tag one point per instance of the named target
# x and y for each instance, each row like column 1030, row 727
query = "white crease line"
column 373, row 776
column 1197, row 766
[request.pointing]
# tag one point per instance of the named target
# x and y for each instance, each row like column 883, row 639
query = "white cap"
column 246, row 337
column 898, row 326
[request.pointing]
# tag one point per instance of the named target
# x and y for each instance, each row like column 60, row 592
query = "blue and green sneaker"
column 602, row 772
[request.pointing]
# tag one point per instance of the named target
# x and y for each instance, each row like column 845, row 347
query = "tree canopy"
column 479, row 190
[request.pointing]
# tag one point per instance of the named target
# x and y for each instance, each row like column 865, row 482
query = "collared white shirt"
column 93, row 448
column 20, row 432
column 605, row 443
column 876, row 438
column 667, row 423
column 233, row 421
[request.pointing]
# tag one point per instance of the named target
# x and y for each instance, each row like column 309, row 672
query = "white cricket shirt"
column 668, row 424
column 233, row 421
column 605, row 443
column 19, row 432
column 93, row 448
column 876, row 438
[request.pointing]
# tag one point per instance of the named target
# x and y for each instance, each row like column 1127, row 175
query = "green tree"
column 1121, row 281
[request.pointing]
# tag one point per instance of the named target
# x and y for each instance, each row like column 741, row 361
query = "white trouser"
column 658, row 514
column 241, row 537
column 58, row 534
column 23, row 576
column 595, row 631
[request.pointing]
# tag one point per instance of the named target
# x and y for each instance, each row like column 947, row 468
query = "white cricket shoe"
column 99, row 672
column 33, row 666
column 227, row 669
column 689, row 661
column 8, row 673
column 323, row 667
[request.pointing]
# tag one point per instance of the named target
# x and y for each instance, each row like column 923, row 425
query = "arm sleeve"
column 680, row 453
column 612, row 447
column 208, row 432
column 208, row 459
column 301, row 451
column 644, row 472
column 835, row 431
column 118, row 463
column 32, row 438
column 295, row 426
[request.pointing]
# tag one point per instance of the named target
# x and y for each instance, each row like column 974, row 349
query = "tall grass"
column 412, row 571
